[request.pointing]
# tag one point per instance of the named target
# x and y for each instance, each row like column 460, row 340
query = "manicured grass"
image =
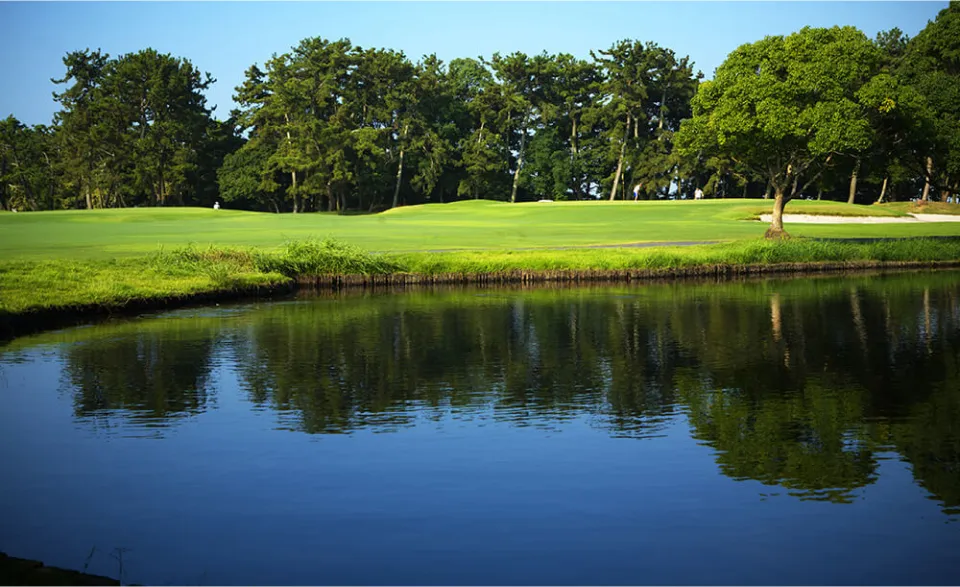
column 471, row 225
column 923, row 208
column 27, row 286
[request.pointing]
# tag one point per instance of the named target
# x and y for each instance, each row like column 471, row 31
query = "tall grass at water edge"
column 741, row 253
column 189, row 272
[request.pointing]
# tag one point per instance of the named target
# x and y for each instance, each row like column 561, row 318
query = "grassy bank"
column 54, row 264
column 40, row 291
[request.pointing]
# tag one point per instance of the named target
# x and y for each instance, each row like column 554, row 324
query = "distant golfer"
column 698, row 195
column 636, row 191
column 216, row 205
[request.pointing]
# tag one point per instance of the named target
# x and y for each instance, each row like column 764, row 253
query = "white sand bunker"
column 817, row 219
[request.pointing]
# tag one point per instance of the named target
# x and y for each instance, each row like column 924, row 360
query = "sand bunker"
column 817, row 219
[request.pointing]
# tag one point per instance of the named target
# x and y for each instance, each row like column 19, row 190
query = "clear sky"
column 225, row 38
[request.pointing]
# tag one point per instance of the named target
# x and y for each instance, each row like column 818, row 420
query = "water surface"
column 800, row 431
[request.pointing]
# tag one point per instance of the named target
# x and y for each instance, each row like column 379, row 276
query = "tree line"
column 331, row 126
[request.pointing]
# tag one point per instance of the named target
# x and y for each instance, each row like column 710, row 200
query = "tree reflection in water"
column 793, row 383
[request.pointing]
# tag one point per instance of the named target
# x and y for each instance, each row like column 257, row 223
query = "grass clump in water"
column 323, row 257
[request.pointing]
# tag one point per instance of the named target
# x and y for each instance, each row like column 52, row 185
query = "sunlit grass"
column 752, row 252
column 471, row 225
column 27, row 286
column 922, row 207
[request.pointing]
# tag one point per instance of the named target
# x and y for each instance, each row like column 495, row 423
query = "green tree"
column 627, row 66
column 931, row 64
column 80, row 122
column 482, row 146
column 29, row 175
column 784, row 106
column 436, row 131
column 159, row 100
column 520, row 81
column 244, row 178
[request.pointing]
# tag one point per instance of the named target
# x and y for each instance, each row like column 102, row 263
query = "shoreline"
column 13, row 325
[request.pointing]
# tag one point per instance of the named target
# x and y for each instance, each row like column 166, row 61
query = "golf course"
column 468, row 225
column 75, row 261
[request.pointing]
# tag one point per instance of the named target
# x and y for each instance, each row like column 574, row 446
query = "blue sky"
column 225, row 38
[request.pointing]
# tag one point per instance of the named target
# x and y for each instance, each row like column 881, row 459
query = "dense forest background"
column 329, row 126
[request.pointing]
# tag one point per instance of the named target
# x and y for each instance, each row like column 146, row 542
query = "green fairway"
column 475, row 225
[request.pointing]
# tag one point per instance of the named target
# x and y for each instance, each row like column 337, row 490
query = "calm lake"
column 791, row 431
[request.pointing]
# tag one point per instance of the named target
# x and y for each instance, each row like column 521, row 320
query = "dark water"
column 778, row 432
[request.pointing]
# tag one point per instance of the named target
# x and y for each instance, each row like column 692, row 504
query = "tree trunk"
column 883, row 190
column 853, row 183
column 516, row 174
column 926, row 183
column 776, row 224
column 663, row 110
column 766, row 193
column 89, row 201
column 623, row 150
column 616, row 178
column 293, row 178
column 396, row 189
column 573, row 136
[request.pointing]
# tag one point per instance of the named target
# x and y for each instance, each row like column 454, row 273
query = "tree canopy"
column 331, row 126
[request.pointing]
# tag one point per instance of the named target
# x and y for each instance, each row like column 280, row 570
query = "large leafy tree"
column 931, row 65
column 783, row 107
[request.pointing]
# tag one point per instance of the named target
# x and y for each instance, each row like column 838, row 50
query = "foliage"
column 332, row 126
column 783, row 107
